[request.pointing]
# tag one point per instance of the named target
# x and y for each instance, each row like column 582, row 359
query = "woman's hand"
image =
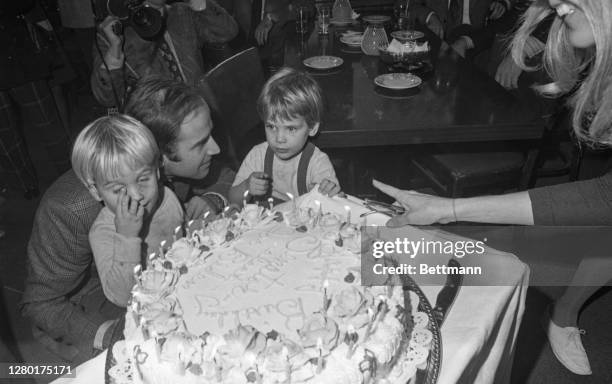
column 508, row 73
column 421, row 209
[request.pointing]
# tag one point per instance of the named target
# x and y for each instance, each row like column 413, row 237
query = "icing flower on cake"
column 252, row 214
column 350, row 303
column 330, row 221
column 319, row 327
column 182, row 253
column 237, row 342
column 163, row 323
column 155, row 284
column 218, row 230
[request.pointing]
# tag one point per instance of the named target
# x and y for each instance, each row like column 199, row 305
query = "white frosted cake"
column 268, row 297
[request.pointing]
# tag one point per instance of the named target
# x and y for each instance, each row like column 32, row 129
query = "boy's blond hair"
column 291, row 94
column 105, row 147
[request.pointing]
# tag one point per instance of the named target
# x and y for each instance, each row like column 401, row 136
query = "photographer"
column 161, row 40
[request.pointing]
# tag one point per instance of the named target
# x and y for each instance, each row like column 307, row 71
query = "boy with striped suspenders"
column 291, row 105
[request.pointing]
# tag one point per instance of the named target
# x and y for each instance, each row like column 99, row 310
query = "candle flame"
column 290, row 195
column 326, row 284
column 350, row 329
column 163, row 243
column 319, row 343
column 152, row 256
column 177, row 229
column 190, row 222
column 246, row 194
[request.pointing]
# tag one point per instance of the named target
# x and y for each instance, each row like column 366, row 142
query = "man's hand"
column 263, row 30
column 508, row 73
column 329, row 188
column 106, row 27
column 128, row 216
column 435, row 25
column 496, row 10
column 197, row 207
column 259, row 184
column 421, row 209
column 461, row 46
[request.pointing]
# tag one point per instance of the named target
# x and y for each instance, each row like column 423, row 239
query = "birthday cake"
column 269, row 296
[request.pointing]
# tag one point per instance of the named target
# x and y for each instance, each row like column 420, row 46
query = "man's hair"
column 104, row 149
column 162, row 105
column 291, row 94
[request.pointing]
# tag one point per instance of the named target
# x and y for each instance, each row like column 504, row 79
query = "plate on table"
column 404, row 36
column 341, row 22
column 323, row 62
column 352, row 40
column 398, row 81
column 376, row 19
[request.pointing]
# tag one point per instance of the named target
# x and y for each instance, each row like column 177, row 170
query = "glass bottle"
column 374, row 37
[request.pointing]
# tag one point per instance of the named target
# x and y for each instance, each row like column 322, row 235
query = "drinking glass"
column 324, row 18
column 301, row 20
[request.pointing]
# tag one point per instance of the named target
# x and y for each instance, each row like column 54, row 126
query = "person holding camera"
column 160, row 40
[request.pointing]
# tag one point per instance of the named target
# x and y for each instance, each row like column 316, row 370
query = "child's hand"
column 196, row 207
column 129, row 215
column 329, row 188
column 259, row 183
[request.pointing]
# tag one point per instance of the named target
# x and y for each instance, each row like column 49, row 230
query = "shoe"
column 567, row 346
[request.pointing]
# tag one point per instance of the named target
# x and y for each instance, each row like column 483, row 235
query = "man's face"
column 194, row 147
column 140, row 185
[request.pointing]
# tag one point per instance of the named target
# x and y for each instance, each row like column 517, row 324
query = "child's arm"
column 321, row 171
column 258, row 184
column 117, row 249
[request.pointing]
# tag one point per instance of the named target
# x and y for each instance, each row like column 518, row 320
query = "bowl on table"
column 406, row 55
column 406, row 36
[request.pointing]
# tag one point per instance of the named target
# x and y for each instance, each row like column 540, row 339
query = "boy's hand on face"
column 129, row 215
column 329, row 188
column 197, row 207
column 259, row 183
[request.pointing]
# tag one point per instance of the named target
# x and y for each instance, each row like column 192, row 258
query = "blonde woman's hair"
column 290, row 94
column 585, row 73
column 109, row 145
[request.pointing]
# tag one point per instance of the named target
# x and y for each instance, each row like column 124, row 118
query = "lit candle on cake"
column 325, row 299
column 320, row 358
column 137, row 270
column 188, row 230
column 348, row 214
column 285, row 356
column 176, row 233
column 271, row 203
column 245, row 195
column 161, row 248
column 371, row 315
column 150, row 260
column 293, row 203
column 351, row 339
column 225, row 212
column 157, row 345
column 206, row 214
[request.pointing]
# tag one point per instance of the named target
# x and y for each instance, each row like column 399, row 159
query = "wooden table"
column 457, row 102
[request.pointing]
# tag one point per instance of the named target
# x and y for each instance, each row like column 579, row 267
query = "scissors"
column 379, row 207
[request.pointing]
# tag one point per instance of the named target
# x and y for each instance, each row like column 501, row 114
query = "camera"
column 148, row 22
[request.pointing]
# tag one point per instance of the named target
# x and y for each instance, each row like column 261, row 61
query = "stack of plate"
column 352, row 38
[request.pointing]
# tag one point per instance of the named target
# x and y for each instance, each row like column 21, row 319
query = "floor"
column 534, row 361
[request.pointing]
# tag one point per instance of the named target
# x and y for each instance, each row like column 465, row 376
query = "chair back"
column 231, row 90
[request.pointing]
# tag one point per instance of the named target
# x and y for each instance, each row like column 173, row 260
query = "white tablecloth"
column 478, row 335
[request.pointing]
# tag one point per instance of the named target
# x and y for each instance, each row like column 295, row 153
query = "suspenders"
column 302, row 166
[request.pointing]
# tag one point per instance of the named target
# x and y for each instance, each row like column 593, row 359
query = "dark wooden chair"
column 468, row 173
column 231, row 90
